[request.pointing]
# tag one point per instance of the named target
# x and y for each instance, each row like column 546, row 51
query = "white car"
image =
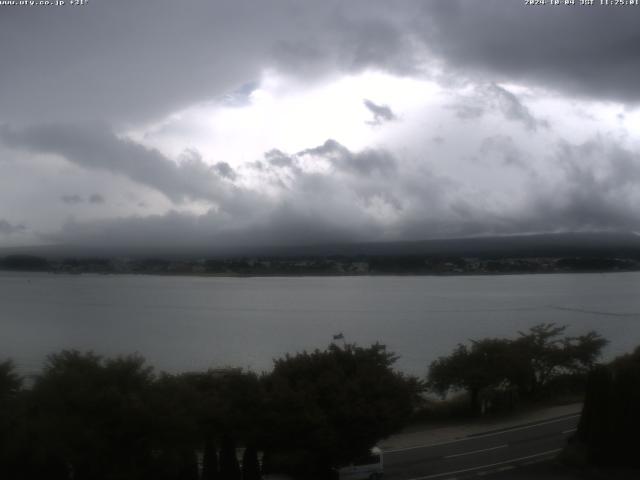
column 364, row 468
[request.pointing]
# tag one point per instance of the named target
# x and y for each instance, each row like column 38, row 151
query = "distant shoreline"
column 321, row 275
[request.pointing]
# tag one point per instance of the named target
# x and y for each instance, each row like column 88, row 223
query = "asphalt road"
column 481, row 454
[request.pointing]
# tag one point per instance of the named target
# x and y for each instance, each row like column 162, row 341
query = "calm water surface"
column 186, row 323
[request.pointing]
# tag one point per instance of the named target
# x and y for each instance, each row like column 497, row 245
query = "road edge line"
column 473, row 452
column 505, row 462
column 483, row 435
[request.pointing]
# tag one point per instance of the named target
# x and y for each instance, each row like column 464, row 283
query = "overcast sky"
column 275, row 122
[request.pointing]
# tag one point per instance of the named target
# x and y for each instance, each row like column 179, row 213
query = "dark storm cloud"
column 366, row 162
column 285, row 225
column 225, row 170
column 96, row 199
column 583, row 50
column 240, row 96
column 468, row 112
column 504, row 148
column 355, row 179
column 597, row 191
column 125, row 64
column 494, row 98
column 311, row 206
column 7, row 228
column 97, row 148
column 599, row 164
column 279, row 159
column 381, row 113
column 123, row 61
column 601, row 195
column 93, row 199
column 511, row 107
column 575, row 211
column 595, row 188
column 348, row 36
column 72, row 199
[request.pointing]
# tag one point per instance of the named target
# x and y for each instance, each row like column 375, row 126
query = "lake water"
column 187, row 323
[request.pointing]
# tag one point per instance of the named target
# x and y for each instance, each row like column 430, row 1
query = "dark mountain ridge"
column 594, row 244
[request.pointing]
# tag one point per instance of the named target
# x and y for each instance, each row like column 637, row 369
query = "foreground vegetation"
column 87, row 417
column 498, row 373
column 608, row 431
column 94, row 418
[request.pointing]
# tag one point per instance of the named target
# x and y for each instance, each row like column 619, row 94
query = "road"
column 481, row 454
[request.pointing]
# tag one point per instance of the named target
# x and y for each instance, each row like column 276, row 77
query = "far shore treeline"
column 89, row 417
column 543, row 253
column 324, row 265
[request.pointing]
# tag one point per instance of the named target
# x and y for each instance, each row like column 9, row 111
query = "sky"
column 288, row 122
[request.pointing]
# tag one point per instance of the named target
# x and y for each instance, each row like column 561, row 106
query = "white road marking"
column 466, row 439
column 476, row 451
column 481, row 467
column 571, row 430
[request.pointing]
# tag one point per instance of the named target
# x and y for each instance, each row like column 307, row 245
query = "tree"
column 610, row 418
column 10, row 386
column 250, row 464
column 10, row 381
column 594, row 425
column 528, row 363
column 485, row 364
column 327, row 407
column 229, row 467
column 210, row 461
column 543, row 355
column 230, row 403
column 189, row 465
column 10, row 419
column 91, row 414
column 176, row 432
column 24, row 262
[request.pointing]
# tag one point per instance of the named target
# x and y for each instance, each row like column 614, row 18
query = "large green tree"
column 92, row 415
column 484, row 364
column 176, row 434
column 329, row 406
column 10, row 381
column 250, row 464
column 528, row 363
column 610, row 418
column 202, row 410
column 230, row 403
column 10, row 419
column 543, row 353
